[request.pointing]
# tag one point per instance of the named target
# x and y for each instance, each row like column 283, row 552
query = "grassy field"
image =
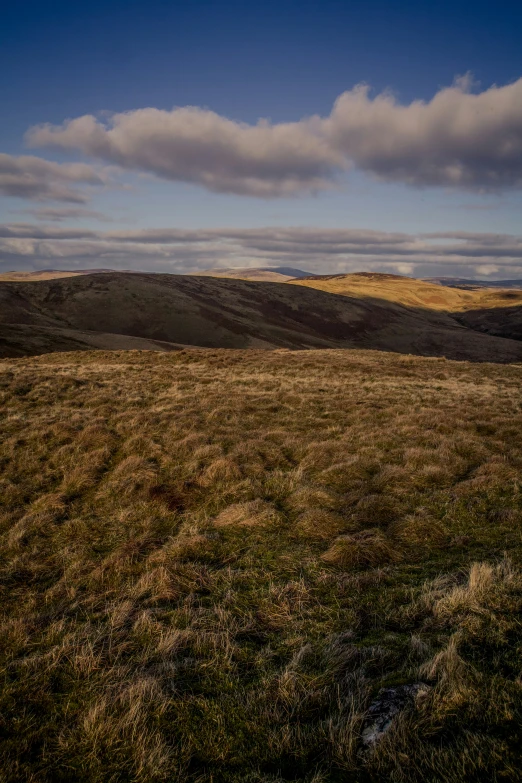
column 213, row 560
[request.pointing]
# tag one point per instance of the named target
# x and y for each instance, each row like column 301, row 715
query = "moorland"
column 163, row 312
column 214, row 556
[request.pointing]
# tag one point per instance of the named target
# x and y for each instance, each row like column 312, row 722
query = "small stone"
column 388, row 704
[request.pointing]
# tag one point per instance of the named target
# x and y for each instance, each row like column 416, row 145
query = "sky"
column 329, row 136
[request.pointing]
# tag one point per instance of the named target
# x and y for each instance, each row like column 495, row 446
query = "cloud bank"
column 59, row 214
column 30, row 246
column 29, row 177
column 458, row 140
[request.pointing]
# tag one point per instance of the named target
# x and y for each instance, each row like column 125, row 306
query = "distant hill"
column 496, row 311
column 279, row 274
column 49, row 274
column 274, row 274
column 461, row 282
column 165, row 312
column 393, row 288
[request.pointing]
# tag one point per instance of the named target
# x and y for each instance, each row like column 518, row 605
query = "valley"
column 162, row 312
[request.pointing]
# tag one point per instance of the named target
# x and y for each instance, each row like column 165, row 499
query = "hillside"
column 467, row 283
column 47, row 274
column 204, row 311
column 213, row 561
column 490, row 310
column 280, row 274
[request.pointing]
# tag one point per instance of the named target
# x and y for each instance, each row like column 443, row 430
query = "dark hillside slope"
column 211, row 312
column 493, row 311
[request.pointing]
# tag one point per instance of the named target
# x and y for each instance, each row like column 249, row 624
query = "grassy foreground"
column 211, row 562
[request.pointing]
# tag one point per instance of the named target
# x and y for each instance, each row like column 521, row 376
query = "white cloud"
column 457, row 140
column 487, row 269
column 195, row 145
column 30, row 177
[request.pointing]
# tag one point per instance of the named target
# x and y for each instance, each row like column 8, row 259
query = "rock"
column 388, row 704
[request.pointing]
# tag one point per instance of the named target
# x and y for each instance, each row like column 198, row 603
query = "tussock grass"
column 367, row 548
column 212, row 561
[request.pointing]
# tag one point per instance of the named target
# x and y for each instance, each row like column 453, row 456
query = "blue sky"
column 284, row 61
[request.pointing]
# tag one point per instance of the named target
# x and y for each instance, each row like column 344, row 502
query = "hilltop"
column 172, row 310
column 47, row 274
column 278, row 274
column 273, row 274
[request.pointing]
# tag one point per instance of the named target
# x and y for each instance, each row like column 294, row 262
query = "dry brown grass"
column 212, row 561
column 369, row 548
column 493, row 311
column 412, row 292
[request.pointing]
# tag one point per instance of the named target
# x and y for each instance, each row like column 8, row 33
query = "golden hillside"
column 411, row 291
column 46, row 274
column 492, row 310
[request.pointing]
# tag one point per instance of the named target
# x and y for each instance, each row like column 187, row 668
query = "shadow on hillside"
column 503, row 322
column 228, row 313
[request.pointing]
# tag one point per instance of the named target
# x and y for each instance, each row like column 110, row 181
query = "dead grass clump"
column 278, row 485
column 221, row 470
column 432, row 476
column 376, row 510
column 306, row 498
column 192, row 546
column 320, row 456
column 284, row 604
column 420, row 531
column 139, row 445
column 449, row 669
column 120, row 729
column 348, row 475
column 481, row 612
column 207, row 452
column 156, row 584
column 369, row 548
column 83, row 476
column 131, row 475
column 187, row 444
column 256, row 513
column 320, row 524
column 247, row 456
column 95, row 436
column 481, row 601
column 392, row 479
column 43, row 512
column 495, row 472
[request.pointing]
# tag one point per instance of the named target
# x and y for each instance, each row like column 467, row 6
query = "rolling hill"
column 278, row 274
column 463, row 282
column 46, row 274
column 121, row 309
column 492, row 311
